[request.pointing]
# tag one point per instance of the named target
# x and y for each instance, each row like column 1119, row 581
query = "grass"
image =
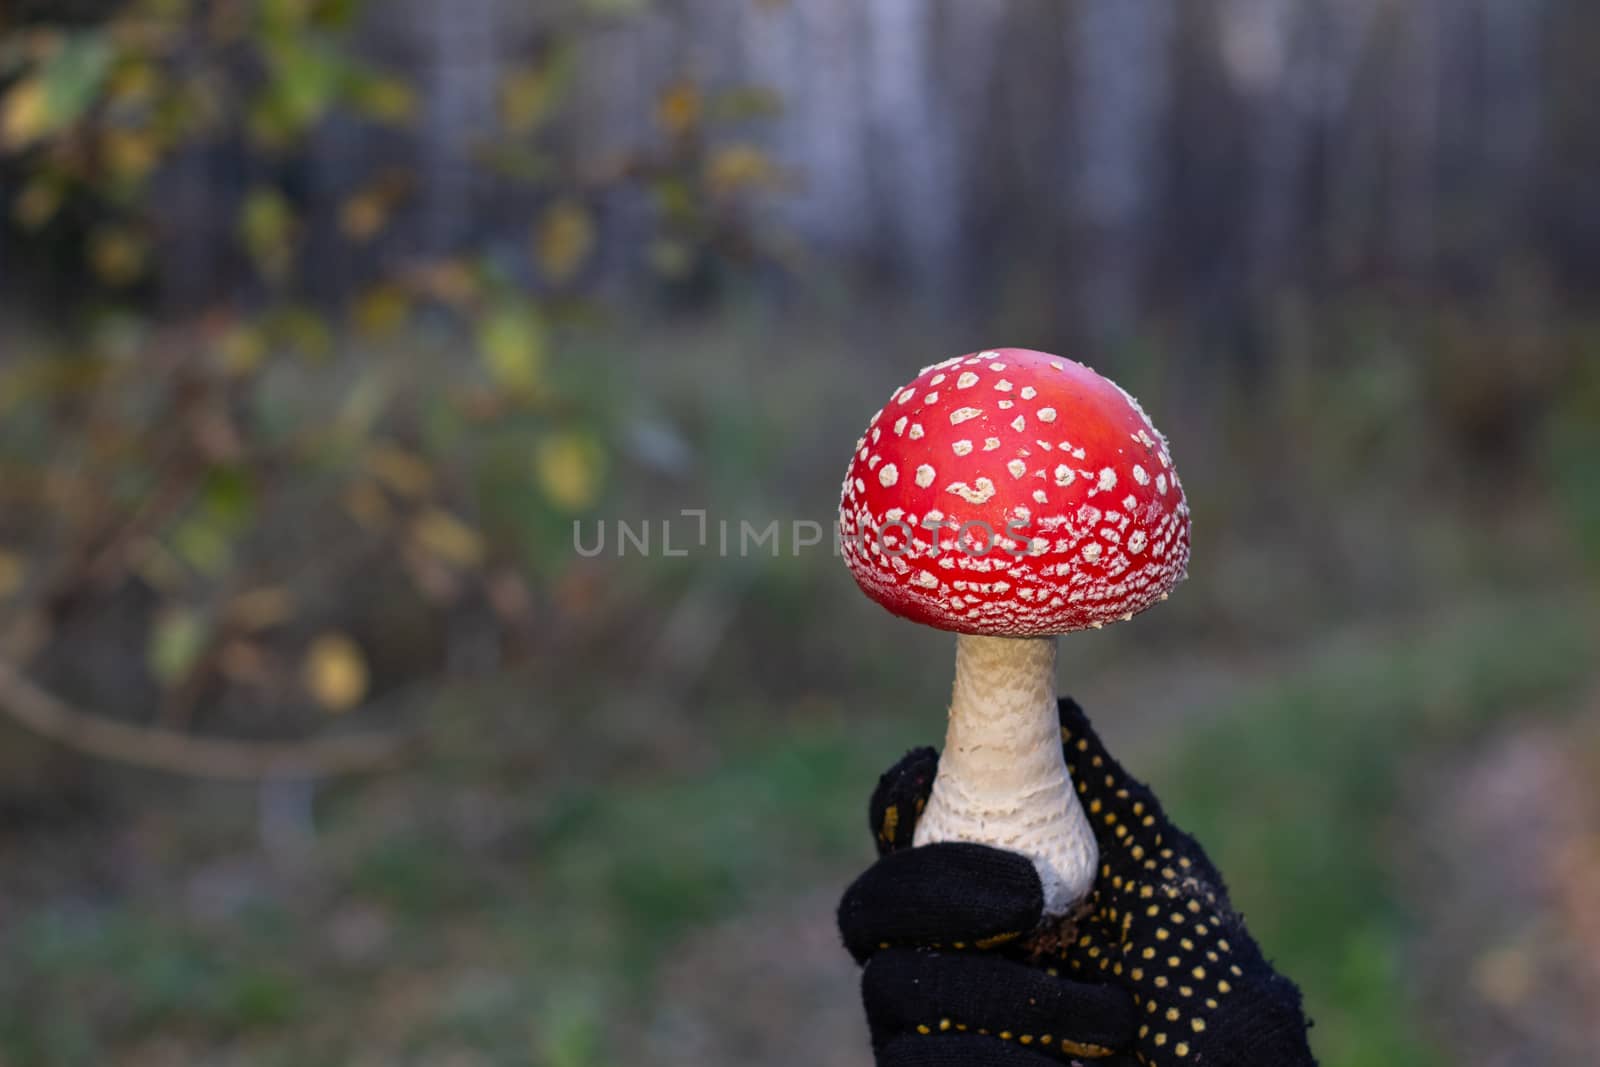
column 547, row 940
column 1299, row 792
column 526, row 951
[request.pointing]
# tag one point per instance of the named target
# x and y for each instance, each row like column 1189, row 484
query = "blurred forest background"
column 322, row 321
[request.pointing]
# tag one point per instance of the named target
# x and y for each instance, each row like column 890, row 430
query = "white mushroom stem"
column 1002, row 780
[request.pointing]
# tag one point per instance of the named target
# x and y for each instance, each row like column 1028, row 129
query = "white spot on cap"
column 967, row 380
column 888, row 475
column 987, row 353
column 900, row 425
column 1017, row 468
column 931, row 398
column 961, row 448
column 1064, row 474
column 1046, row 414
column 1108, row 479
column 1018, row 423
column 991, row 443
column 905, row 396
column 1130, row 502
column 972, row 494
column 1091, row 552
column 1136, row 541
column 926, row 580
column 861, row 486
column 1140, row 475
column 1002, row 386
column 1161, row 483
column 1029, row 392
column 1039, row 496
column 916, row 430
column 936, row 379
column 997, row 366
column 1005, row 405
column 924, row 476
column 960, row 415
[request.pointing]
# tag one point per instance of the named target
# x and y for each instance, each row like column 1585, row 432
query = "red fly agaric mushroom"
column 1010, row 496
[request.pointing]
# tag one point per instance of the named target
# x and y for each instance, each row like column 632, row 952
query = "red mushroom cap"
column 1013, row 493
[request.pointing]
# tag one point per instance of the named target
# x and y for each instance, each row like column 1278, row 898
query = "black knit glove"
column 1158, row 969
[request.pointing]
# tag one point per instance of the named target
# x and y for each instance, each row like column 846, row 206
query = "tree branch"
column 160, row 749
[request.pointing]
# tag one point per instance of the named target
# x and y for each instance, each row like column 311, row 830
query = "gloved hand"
column 1159, row 969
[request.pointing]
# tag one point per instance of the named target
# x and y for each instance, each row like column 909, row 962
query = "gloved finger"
column 1138, row 844
column 961, row 1050
column 900, row 797
column 910, row 991
column 953, row 894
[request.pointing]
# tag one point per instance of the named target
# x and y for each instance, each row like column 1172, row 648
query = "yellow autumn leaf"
column 261, row 608
column 303, row 329
column 451, row 282
column 525, row 99
column 57, row 93
column 117, row 255
column 568, row 468
column 678, row 109
column 130, row 154
column 37, row 204
column 563, row 241
column 386, row 100
column 365, row 503
column 404, row 472
column 364, row 214
column 381, row 310
column 242, row 350
column 443, row 535
column 738, row 166
column 512, row 342
column 335, row 672
column 13, row 571
column 24, row 114
column 671, row 259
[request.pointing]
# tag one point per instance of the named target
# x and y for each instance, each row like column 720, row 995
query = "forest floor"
column 1445, row 766
column 1375, row 704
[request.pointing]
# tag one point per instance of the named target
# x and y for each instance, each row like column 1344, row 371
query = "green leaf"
column 204, row 544
column 305, row 81
column 176, row 643
column 529, row 95
column 229, row 496
column 265, row 225
column 74, row 75
column 56, row 95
